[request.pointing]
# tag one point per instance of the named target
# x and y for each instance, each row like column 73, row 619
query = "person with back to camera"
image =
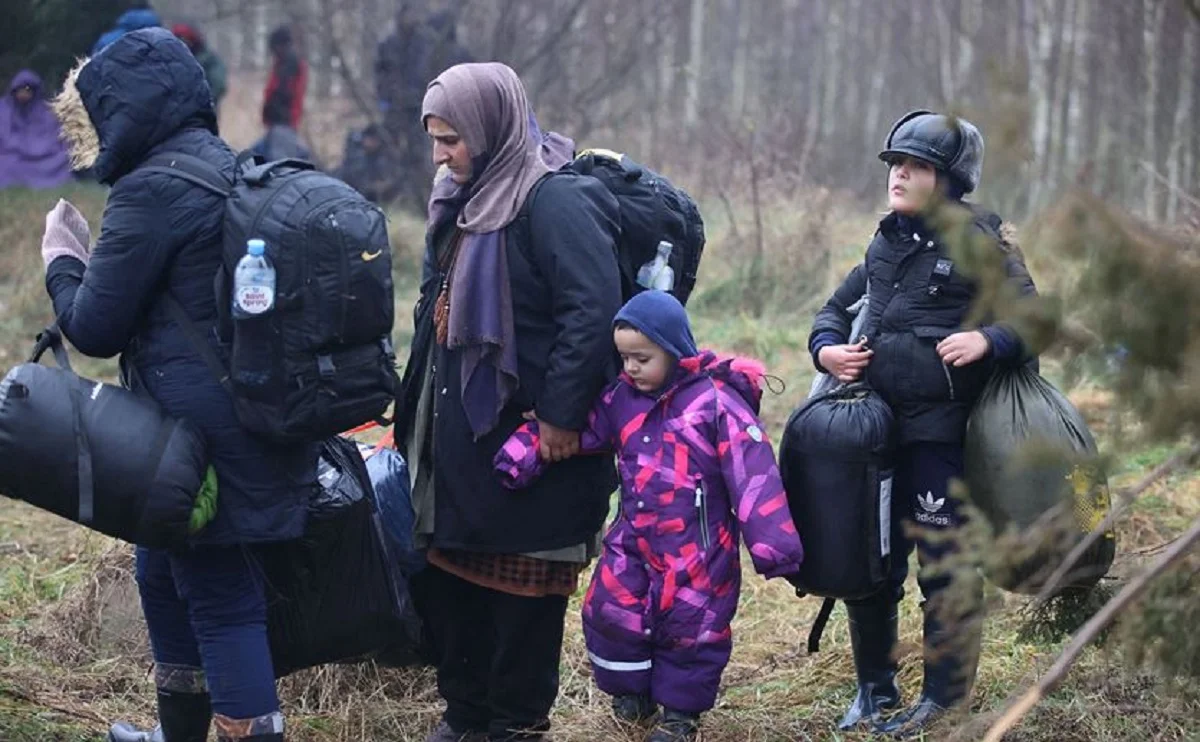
column 161, row 238
column 930, row 369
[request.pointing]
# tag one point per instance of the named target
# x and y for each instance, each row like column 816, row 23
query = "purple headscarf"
column 32, row 153
column 486, row 104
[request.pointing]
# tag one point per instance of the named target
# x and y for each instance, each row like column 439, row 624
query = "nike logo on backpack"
column 369, row 256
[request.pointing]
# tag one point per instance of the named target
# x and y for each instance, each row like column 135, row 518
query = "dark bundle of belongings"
column 1031, row 465
column 97, row 454
column 340, row 593
column 1033, row 468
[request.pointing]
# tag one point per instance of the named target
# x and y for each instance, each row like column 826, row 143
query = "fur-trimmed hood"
column 134, row 95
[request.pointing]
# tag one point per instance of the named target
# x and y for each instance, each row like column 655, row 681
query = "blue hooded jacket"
column 144, row 95
column 130, row 20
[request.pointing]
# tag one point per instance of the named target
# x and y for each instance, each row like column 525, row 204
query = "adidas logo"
column 930, row 505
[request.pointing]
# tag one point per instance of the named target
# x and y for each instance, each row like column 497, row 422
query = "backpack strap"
column 818, row 627
column 525, row 214
column 199, row 344
column 192, row 169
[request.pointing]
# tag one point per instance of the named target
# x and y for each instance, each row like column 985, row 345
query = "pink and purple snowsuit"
column 696, row 470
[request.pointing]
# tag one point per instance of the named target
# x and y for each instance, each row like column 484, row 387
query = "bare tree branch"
column 1018, row 708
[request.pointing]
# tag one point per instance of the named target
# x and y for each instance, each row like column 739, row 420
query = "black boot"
column 634, row 709
column 951, row 658
column 183, row 717
column 873, row 627
column 675, row 726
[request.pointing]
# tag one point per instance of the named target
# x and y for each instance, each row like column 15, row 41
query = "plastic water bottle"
column 254, row 362
column 657, row 274
column 253, row 282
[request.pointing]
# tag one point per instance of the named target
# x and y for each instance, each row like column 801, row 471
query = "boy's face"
column 646, row 364
column 911, row 184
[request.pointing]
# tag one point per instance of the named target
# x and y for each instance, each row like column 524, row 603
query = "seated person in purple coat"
column 696, row 470
column 32, row 153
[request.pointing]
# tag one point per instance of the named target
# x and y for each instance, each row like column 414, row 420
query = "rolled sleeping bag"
column 836, row 460
column 97, row 454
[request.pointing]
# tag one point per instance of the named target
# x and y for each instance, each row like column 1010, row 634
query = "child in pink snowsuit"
column 696, row 470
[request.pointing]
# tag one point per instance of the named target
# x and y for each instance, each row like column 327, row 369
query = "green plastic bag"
column 1033, row 468
column 205, row 508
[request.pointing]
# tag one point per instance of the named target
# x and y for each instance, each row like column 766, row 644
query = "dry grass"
column 72, row 647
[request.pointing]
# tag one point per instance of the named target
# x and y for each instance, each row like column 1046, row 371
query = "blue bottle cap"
column 256, row 247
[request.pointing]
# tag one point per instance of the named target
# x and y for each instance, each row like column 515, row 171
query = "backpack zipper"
column 344, row 275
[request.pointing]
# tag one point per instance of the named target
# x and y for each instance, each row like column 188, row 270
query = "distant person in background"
column 370, row 167
column 283, row 101
column 32, row 153
column 405, row 62
column 214, row 68
column 136, row 18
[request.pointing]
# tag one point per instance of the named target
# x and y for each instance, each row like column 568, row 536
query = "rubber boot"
column 183, row 717
column 676, row 726
column 634, row 709
column 873, row 629
column 951, row 657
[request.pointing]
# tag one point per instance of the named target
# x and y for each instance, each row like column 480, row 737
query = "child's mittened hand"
column 964, row 348
column 845, row 362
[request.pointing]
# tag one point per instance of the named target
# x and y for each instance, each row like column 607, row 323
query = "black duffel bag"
column 1029, row 458
column 97, row 454
column 338, row 594
column 836, row 461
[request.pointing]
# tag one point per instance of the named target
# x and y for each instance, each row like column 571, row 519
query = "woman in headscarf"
column 520, row 287
column 32, row 153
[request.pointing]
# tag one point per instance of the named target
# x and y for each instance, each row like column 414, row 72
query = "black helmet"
column 951, row 144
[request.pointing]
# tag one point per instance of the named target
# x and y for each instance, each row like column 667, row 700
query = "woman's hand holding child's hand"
column 964, row 348
column 557, row 444
column 845, row 362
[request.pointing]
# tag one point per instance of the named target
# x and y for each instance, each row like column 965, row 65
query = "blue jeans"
column 206, row 609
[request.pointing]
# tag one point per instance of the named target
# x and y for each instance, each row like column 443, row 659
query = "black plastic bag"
column 1030, row 455
column 393, row 492
column 338, row 594
column 97, row 454
column 836, row 461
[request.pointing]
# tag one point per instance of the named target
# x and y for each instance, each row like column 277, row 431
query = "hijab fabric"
column 487, row 105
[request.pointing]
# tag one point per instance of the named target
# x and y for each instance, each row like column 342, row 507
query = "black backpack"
column 322, row 361
column 652, row 210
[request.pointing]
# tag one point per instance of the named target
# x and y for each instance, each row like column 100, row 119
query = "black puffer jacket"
column 145, row 94
column 918, row 297
column 566, row 290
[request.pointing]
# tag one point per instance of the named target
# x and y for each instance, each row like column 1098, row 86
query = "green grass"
column 73, row 654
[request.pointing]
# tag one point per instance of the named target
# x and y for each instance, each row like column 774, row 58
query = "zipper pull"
column 699, row 496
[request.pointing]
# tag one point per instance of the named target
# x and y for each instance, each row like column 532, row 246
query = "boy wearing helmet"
column 917, row 354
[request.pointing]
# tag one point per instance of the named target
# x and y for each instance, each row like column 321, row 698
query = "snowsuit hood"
column 660, row 317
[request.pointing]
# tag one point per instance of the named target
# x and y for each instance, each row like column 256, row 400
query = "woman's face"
column 911, row 185
column 24, row 94
column 449, row 149
column 646, row 364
